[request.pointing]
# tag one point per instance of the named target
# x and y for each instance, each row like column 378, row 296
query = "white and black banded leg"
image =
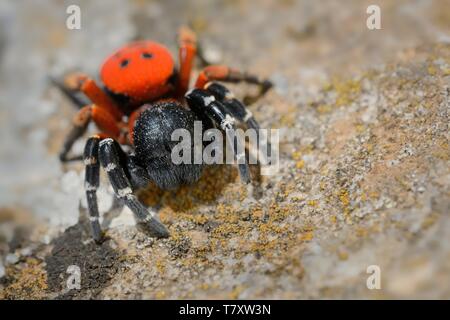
column 109, row 155
column 92, row 181
column 203, row 102
column 236, row 108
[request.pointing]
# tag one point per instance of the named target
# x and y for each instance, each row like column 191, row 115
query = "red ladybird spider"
column 144, row 99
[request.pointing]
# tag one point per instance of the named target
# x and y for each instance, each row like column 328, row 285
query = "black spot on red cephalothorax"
column 140, row 71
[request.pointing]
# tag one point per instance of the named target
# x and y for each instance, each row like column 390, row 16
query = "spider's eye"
column 147, row 55
column 124, row 63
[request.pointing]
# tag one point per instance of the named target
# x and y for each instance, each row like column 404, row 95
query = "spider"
column 144, row 98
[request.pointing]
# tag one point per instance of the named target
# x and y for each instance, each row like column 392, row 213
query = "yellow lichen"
column 160, row 265
column 300, row 164
column 324, row 108
column 344, row 197
column 236, row 292
column 313, row 203
column 26, row 282
column 160, row 295
column 307, row 236
column 432, row 70
column 297, row 155
column 343, row 255
column 346, row 91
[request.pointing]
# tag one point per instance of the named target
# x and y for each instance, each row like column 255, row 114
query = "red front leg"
column 82, row 82
column 227, row 74
column 187, row 42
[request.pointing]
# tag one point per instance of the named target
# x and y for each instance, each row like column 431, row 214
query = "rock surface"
column 364, row 157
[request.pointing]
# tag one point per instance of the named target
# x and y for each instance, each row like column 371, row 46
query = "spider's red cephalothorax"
column 142, row 101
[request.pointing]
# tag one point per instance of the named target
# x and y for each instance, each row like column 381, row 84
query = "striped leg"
column 237, row 109
column 109, row 155
column 203, row 102
column 92, row 180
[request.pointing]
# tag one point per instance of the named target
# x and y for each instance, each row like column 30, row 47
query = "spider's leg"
column 104, row 111
column 102, row 118
column 139, row 177
column 236, row 108
column 80, row 123
column 187, row 43
column 110, row 161
column 77, row 98
column 202, row 102
column 77, row 82
column 227, row 74
column 92, row 181
column 98, row 97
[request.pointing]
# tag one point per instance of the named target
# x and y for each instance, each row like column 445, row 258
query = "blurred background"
column 300, row 45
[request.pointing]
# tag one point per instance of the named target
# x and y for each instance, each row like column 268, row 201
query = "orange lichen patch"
column 27, row 281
